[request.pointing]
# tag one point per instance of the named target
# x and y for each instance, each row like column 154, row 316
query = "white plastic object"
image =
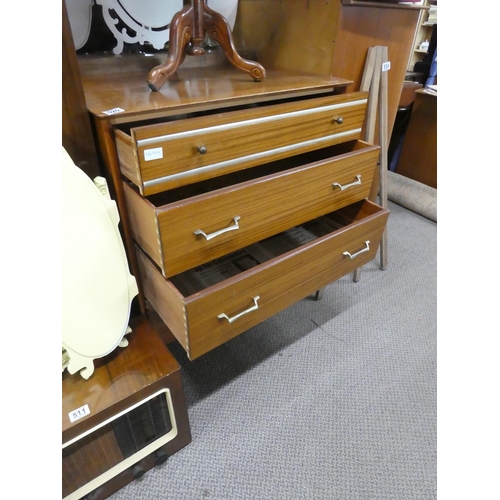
column 98, row 288
column 424, row 45
column 149, row 20
column 80, row 20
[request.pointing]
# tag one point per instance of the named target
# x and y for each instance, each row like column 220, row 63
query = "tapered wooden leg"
column 219, row 29
column 181, row 32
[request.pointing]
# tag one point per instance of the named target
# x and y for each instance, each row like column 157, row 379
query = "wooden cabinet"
column 128, row 417
column 241, row 197
column 418, row 159
column 77, row 136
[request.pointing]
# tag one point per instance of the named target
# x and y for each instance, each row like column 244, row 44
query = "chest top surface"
column 116, row 87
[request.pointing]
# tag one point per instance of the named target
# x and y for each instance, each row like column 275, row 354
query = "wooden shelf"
column 423, row 32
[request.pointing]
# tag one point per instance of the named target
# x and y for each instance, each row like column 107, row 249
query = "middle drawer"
column 183, row 228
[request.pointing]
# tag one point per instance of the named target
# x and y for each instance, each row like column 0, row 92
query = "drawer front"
column 257, row 294
column 205, row 227
column 186, row 151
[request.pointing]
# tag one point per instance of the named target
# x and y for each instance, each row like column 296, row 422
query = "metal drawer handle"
column 222, row 231
column 338, row 120
column 354, row 255
column 202, row 150
column 345, row 186
column 239, row 315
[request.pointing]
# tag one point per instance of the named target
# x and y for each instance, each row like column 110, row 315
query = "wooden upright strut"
column 374, row 80
column 187, row 32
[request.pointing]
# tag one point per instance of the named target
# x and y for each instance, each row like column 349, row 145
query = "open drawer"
column 162, row 156
column 183, row 228
column 210, row 304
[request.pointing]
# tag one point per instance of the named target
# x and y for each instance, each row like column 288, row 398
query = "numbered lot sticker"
column 113, row 111
column 81, row 412
column 153, row 154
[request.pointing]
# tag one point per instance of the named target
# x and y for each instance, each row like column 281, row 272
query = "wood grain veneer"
column 202, row 98
column 295, row 35
column 77, row 136
column 120, row 380
column 279, row 282
column 240, row 139
column 111, row 82
column 166, row 232
column 118, row 82
column 418, row 159
column 123, row 372
column 368, row 25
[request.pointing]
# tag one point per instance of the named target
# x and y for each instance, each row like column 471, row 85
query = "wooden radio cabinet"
column 128, row 417
column 237, row 198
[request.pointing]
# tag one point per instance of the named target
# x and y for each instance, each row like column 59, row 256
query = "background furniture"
column 188, row 29
column 121, row 382
column 425, row 29
column 77, row 137
column 425, row 70
column 363, row 25
column 418, row 159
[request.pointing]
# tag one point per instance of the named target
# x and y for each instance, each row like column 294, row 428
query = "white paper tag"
column 113, row 111
column 386, row 66
column 153, row 154
column 81, row 412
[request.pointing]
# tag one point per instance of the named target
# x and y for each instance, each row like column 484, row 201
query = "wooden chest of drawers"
column 239, row 199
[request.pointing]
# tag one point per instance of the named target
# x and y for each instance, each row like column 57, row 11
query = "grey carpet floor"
column 332, row 399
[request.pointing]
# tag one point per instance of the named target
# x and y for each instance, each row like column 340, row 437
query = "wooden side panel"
column 160, row 327
column 77, row 137
column 143, row 222
column 418, row 159
column 362, row 27
column 127, row 158
column 164, row 298
column 293, row 34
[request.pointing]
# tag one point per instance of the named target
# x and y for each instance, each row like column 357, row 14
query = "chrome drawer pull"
column 338, row 120
column 234, row 318
column 345, row 186
column 222, row 231
column 354, row 255
column 202, row 150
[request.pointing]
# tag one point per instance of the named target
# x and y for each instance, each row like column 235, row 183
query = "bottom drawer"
column 212, row 303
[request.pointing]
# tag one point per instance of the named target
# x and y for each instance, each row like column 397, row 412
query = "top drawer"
column 169, row 155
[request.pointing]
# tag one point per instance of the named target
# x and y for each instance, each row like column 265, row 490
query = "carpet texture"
column 331, row 400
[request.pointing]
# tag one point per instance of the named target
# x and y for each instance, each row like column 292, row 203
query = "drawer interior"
column 127, row 127
column 213, row 272
column 251, row 174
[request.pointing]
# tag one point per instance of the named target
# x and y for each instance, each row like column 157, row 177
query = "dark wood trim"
column 77, row 136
